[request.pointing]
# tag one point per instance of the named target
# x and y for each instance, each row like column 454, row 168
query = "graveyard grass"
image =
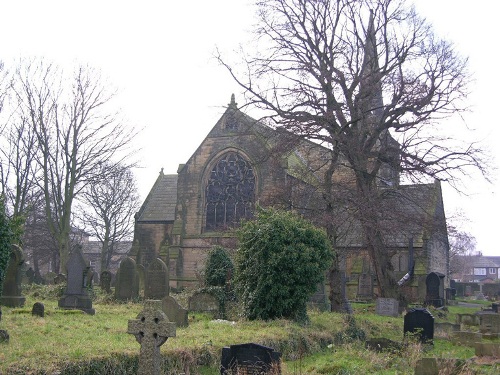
column 71, row 342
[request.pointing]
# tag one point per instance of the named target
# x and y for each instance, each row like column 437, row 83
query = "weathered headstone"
column 419, row 322
column 489, row 323
column 204, row 302
column 11, row 295
column 127, row 280
column 490, row 349
column 174, row 311
column 156, row 282
column 76, row 296
column 387, row 307
column 4, row 336
column 250, row 359
column 151, row 329
column 106, row 277
column 365, row 285
column 38, row 309
column 434, row 290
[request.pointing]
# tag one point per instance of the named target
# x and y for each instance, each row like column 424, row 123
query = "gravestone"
column 489, row 323
column 387, row 307
column 489, row 349
column 38, row 309
column 251, row 359
column 106, row 277
column 11, row 291
column 151, row 329
column 4, row 336
column 420, row 322
column 76, row 296
column 127, row 280
column 156, row 280
column 365, row 285
column 436, row 366
column 204, row 302
column 434, row 290
column 174, row 311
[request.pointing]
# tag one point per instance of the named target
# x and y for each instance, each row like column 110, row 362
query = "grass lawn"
column 71, row 342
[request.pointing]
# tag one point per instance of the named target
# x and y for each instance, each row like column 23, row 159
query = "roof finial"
column 161, row 172
column 233, row 102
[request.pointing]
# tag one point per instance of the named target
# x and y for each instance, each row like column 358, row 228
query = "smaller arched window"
column 230, row 192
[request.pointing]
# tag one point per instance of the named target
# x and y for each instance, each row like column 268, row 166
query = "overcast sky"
column 159, row 55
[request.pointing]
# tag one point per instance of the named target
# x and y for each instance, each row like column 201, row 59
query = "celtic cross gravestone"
column 151, row 329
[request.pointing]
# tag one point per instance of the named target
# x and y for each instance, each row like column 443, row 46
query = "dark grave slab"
column 494, row 307
column 156, row 282
column 38, row 309
column 365, row 285
column 76, row 296
column 127, row 280
column 12, row 290
column 204, row 302
column 250, row 359
column 106, row 277
column 175, row 312
column 387, row 307
column 4, row 336
column 419, row 322
column 434, row 289
column 151, row 329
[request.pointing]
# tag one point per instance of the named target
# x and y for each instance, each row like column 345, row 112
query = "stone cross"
column 151, row 329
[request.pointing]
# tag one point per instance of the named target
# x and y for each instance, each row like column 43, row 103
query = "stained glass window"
column 230, row 192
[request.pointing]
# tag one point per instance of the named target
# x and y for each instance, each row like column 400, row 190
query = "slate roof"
column 414, row 211
column 160, row 203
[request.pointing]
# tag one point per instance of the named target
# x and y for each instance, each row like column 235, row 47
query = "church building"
column 243, row 163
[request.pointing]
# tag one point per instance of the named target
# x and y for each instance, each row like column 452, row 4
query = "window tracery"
column 230, row 192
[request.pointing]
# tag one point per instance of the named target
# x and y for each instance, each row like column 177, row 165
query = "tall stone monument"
column 78, row 279
column 11, row 291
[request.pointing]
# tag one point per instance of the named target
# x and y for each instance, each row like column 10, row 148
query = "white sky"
column 159, row 55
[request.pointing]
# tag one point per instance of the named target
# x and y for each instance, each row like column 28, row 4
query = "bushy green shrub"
column 218, row 267
column 279, row 264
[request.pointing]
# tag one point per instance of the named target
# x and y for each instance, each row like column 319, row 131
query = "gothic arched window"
column 230, row 192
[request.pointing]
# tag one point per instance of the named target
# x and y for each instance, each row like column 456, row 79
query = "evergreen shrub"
column 279, row 264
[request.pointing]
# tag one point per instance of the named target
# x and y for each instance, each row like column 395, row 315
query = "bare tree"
column 462, row 245
column 351, row 76
column 76, row 132
column 109, row 207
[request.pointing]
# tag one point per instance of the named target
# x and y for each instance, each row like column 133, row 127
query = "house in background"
column 476, row 269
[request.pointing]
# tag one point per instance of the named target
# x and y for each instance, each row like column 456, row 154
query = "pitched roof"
column 160, row 203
